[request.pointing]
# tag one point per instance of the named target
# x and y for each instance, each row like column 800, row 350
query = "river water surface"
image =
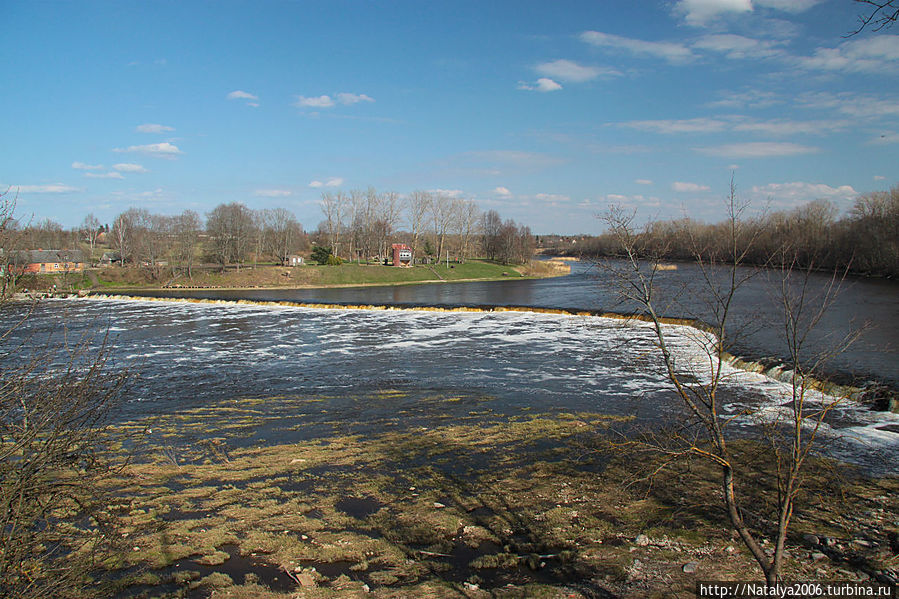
column 189, row 355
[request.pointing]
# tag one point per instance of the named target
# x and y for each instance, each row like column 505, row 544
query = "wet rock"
column 642, row 540
column 690, row 567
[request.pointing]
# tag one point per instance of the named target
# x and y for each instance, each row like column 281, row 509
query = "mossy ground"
column 529, row 505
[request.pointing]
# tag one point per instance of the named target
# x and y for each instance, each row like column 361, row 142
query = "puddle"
column 358, row 507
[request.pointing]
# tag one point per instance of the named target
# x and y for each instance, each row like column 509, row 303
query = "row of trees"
column 233, row 233
column 361, row 225
column 864, row 241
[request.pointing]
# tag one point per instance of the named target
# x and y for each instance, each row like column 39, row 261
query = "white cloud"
column 570, row 71
column 153, row 128
column 800, row 192
column 792, row 6
column 879, row 178
column 778, row 127
column 553, row 199
column 316, row 102
column 241, row 95
column 502, row 191
column 669, row 51
column 450, row 193
column 272, row 193
column 643, row 181
column 87, row 167
column 737, row 46
column 544, row 84
column 670, row 126
column 762, row 149
column 515, row 158
column 699, row 12
column 856, row 105
column 332, row 182
column 684, row 187
column 862, row 55
column 749, row 98
column 51, row 188
column 165, row 150
column 109, row 175
column 349, row 99
column 129, row 167
column 326, row 101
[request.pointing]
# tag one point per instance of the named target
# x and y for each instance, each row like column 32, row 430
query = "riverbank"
column 117, row 279
column 533, row 505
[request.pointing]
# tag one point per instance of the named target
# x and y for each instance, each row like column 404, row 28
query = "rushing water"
column 197, row 354
column 757, row 316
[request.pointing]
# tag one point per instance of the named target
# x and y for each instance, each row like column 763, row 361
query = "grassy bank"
column 263, row 276
column 251, row 498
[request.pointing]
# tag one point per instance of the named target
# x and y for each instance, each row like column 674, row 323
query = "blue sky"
column 544, row 111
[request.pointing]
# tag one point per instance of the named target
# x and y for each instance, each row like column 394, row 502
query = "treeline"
column 361, row 225
column 358, row 226
column 233, row 234
column 864, row 241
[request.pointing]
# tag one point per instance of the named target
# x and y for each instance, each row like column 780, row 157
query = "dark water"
column 757, row 316
column 322, row 371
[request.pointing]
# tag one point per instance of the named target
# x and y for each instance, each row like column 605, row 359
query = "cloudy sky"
column 545, row 111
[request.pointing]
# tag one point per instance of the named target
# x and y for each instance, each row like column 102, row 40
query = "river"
column 868, row 304
column 329, row 363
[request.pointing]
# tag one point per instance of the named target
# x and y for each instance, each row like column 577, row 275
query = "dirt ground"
column 221, row 503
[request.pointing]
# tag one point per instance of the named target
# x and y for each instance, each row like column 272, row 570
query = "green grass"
column 355, row 274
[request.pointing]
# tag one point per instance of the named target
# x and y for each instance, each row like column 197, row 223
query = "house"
column 47, row 261
column 402, row 254
column 110, row 259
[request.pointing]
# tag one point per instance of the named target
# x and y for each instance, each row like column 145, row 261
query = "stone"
column 438, row 505
column 690, row 567
column 811, row 539
column 730, row 549
column 642, row 540
column 817, row 556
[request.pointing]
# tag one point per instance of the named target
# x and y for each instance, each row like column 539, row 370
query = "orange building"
column 47, row 261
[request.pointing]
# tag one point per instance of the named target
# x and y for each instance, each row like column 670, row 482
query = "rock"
column 730, row 549
column 470, row 587
column 642, row 540
column 862, row 543
column 438, row 505
column 306, row 579
column 690, row 568
column 811, row 539
column 366, row 588
column 817, row 556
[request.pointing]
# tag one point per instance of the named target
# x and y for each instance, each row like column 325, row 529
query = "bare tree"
column 186, row 233
column 469, row 222
column 441, row 219
column 90, row 231
column 231, row 229
column 283, row 234
column 879, row 14
column 697, row 384
column 419, row 206
column 54, row 407
column 332, row 207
